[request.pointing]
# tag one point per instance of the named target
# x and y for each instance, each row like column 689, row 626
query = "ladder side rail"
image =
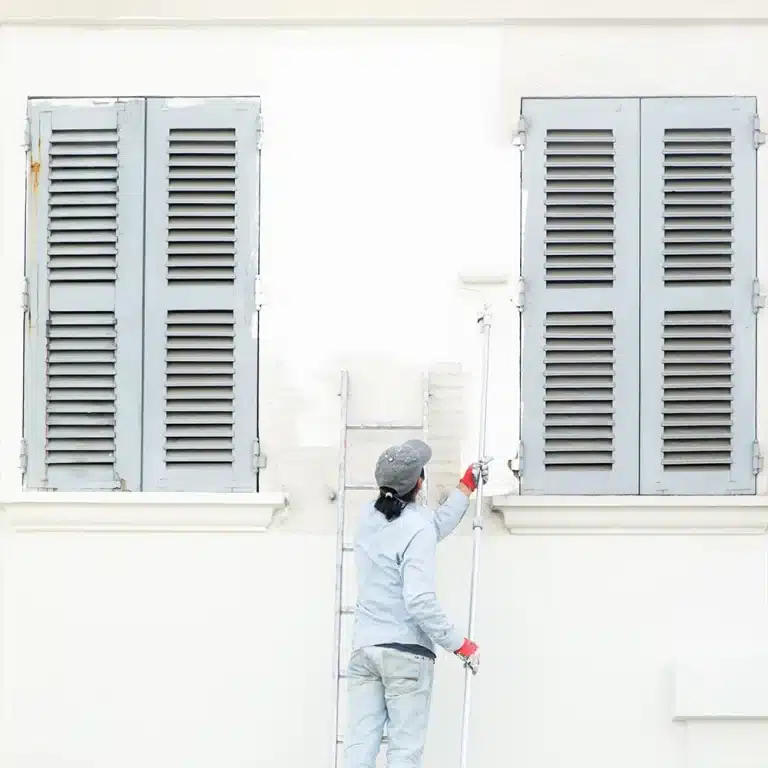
column 340, row 515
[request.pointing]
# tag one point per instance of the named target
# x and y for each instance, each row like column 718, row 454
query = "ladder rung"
column 385, row 425
column 339, row 740
column 361, row 487
column 348, row 548
column 347, row 610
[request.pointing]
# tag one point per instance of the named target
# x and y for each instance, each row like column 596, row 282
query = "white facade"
column 168, row 630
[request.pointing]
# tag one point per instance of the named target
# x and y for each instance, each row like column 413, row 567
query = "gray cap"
column 399, row 467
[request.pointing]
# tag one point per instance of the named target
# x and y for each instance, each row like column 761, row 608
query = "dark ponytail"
column 391, row 505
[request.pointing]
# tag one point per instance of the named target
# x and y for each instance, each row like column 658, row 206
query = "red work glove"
column 470, row 655
column 469, row 478
column 474, row 473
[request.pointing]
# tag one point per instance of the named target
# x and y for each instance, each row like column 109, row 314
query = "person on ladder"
column 398, row 619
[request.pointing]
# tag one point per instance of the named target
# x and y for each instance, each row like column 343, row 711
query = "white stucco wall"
column 388, row 169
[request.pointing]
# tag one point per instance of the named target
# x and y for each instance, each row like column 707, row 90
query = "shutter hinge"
column 757, row 459
column 25, row 296
column 758, row 299
column 516, row 464
column 520, row 302
column 260, row 132
column 259, row 458
column 258, row 293
column 27, row 135
column 23, row 457
column 758, row 137
column 519, row 136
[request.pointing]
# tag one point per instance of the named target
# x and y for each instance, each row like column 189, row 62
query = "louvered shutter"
column 698, row 328
column 201, row 263
column 580, row 318
column 82, row 408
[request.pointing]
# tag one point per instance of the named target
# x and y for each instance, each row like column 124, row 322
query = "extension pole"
column 477, row 527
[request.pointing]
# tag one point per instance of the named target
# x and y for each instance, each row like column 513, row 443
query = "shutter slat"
column 698, row 329
column 580, row 321
column 83, row 359
column 686, row 391
column 200, row 419
column 571, row 222
column 212, row 221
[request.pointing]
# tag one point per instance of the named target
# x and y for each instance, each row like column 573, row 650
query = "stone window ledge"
column 141, row 512
column 631, row 514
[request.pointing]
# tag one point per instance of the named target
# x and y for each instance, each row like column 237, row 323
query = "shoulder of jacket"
column 421, row 526
column 417, row 516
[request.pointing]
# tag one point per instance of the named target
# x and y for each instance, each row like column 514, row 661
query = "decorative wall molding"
column 575, row 515
column 126, row 12
column 141, row 512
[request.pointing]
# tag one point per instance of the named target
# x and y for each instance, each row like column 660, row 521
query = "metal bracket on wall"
column 758, row 299
column 258, row 293
column 519, row 136
column 757, row 459
column 259, row 458
column 758, row 137
column 516, row 464
column 23, row 456
column 520, row 301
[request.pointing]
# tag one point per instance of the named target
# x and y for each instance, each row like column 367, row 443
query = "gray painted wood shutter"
column 698, row 336
column 580, row 256
column 82, row 408
column 200, row 391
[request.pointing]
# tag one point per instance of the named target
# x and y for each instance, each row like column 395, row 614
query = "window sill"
column 34, row 512
column 574, row 515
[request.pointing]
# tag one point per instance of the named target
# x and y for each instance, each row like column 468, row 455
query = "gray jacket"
column 395, row 561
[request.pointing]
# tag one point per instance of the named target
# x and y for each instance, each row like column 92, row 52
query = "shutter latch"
column 259, row 458
column 758, row 136
column 758, row 299
column 25, row 296
column 23, row 457
column 757, row 459
column 520, row 135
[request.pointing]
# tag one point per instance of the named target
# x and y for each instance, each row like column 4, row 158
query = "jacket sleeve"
column 449, row 514
column 418, row 571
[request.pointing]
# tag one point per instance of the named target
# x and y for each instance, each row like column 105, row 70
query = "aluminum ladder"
column 343, row 610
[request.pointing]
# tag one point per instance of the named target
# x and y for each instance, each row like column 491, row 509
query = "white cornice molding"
column 618, row 515
column 153, row 12
column 141, row 512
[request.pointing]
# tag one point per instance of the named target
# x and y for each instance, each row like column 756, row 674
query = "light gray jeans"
column 392, row 688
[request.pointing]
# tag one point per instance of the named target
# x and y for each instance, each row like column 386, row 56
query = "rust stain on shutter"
column 35, row 168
